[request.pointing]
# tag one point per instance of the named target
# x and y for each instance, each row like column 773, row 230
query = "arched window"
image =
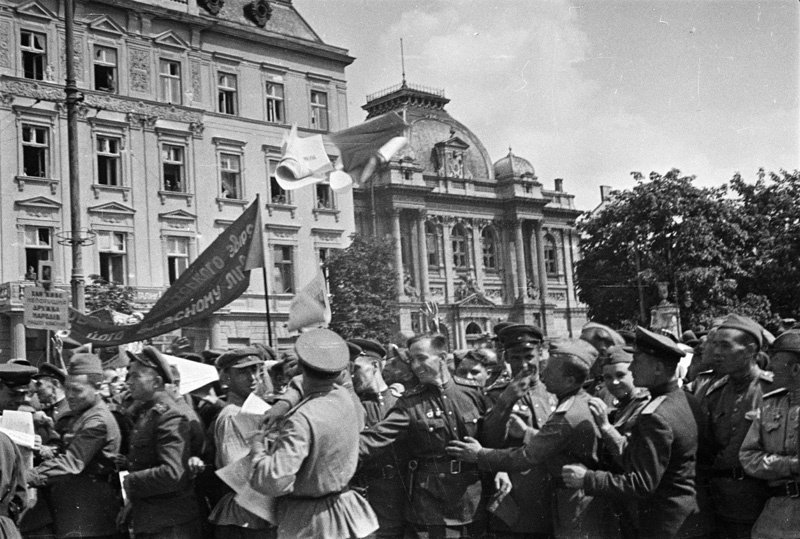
column 432, row 245
column 489, row 243
column 459, row 241
column 550, row 256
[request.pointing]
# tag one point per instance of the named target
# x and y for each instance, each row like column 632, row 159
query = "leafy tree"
column 102, row 294
column 363, row 289
column 666, row 229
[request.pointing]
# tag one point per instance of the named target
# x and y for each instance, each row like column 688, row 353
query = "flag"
column 255, row 255
column 304, row 161
column 310, row 306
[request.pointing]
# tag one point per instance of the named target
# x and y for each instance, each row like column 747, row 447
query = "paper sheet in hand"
column 254, row 405
column 19, row 427
column 237, row 476
column 194, row 375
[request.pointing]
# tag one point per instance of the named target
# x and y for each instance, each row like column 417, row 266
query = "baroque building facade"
column 184, row 107
column 476, row 242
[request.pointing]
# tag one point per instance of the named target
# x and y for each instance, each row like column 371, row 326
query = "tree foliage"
column 363, row 289
column 712, row 248
column 102, row 294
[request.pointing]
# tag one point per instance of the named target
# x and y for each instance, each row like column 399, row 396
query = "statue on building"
column 467, row 287
column 533, row 290
column 455, row 165
column 663, row 292
column 409, row 290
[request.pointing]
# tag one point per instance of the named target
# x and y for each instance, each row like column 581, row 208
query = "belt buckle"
column 793, row 489
column 455, row 467
column 738, row 474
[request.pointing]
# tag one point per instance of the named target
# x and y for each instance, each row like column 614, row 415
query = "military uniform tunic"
column 771, row 451
column 12, row 486
column 444, row 492
column 159, row 485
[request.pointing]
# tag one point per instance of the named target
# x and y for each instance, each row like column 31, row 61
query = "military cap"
column 354, row 350
column 628, row 336
column 267, row 352
column 500, row 326
column 594, row 330
column 689, row 338
column 576, row 348
column 788, row 341
column 617, row 354
column 48, row 370
column 371, row 347
column 239, row 358
column 322, row 350
column 17, row 377
column 211, row 355
column 20, row 361
column 746, row 325
column 656, row 345
column 85, row 364
column 520, row 335
column 152, row 358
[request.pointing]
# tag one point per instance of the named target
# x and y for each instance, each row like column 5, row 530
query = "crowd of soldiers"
column 612, row 435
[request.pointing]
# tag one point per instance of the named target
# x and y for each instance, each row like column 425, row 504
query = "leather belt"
column 453, row 467
column 732, row 473
column 790, row 489
column 316, row 498
column 380, row 472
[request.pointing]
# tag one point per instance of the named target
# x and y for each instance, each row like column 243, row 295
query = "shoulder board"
column 776, row 393
column 564, row 406
column 709, row 371
column 767, row 376
column 416, row 390
column 466, row 383
column 497, row 385
column 653, row 404
column 160, row 408
column 396, row 391
column 717, row 385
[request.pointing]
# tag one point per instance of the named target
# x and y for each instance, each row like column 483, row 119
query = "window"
column 227, row 93
column 319, row 110
column 174, row 169
column 277, row 194
column 177, row 257
column 230, row 175
column 169, row 73
column 489, row 249
column 38, row 246
column 432, row 245
column 283, row 272
column 459, row 241
column 105, row 69
column 324, row 196
column 35, row 146
column 112, row 256
column 550, row 260
column 108, row 169
column 275, row 103
column 34, row 54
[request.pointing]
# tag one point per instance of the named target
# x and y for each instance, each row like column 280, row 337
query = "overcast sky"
column 590, row 91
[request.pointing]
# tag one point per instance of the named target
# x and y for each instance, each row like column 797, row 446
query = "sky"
column 591, row 90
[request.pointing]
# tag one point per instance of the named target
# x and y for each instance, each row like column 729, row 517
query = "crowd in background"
column 616, row 434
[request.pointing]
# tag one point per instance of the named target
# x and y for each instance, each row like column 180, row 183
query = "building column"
column 422, row 247
column 398, row 251
column 215, row 333
column 447, row 253
column 522, row 285
column 537, row 227
column 18, row 349
column 477, row 249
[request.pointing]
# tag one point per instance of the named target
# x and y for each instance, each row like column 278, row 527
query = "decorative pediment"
column 177, row 215
column 476, row 300
column 171, row 39
column 453, row 142
column 36, row 10
column 106, row 24
column 39, row 203
column 112, row 208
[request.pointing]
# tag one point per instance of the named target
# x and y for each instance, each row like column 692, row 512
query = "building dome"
column 512, row 166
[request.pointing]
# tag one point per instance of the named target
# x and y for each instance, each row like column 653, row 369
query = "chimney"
column 559, row 184
column 605, row 192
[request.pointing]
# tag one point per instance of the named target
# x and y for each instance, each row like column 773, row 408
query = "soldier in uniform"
column 50, row 382
column 730, row 403
column 525, row 512
column 162, row 502
column 445, row 494
column 568, row 437
column 771, row 449
column 658, row 461
column 314, row 456
column 382, row 478
column 82, row 492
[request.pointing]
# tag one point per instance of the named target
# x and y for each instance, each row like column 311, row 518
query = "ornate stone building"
column 482, row 241
column 185, row 103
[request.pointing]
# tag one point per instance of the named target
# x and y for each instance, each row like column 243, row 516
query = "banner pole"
column 264, row 274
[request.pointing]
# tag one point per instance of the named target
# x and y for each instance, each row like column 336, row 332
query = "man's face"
column 729, row 354
column 425, row 362
column 365, row 369
column 785, row 369
column 553, row 376
column 143, row 382
column 523, row 358
column 472, row 370
column 243, row 380
column 10, row 399
column 644, row 370
column 46, row 390
column 618, row 379
column 81, row 395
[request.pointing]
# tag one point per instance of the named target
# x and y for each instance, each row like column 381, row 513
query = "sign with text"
column 46, row 309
